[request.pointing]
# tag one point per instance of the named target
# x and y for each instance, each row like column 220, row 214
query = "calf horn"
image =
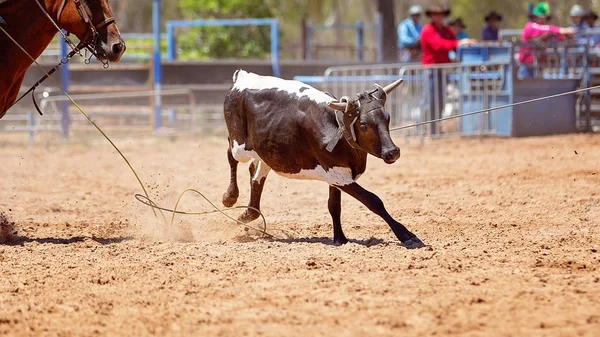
column 392, row 86
column 341, row 105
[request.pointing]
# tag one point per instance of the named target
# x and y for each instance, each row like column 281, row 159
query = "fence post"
column 157, row 64
column 275, row 48
column 379, row 28
column 304, row 38
column 360, row 40
column 171, row 42
column 309, row 38
column 65, row 119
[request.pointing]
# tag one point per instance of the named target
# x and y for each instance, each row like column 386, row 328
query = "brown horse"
column 30, row 23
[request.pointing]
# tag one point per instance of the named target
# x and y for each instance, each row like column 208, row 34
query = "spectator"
column 490, row 31
column 537, row 32
column 577, row 15
column 409, row 35
column 458, row 27
column 578, row 23
column 590, row 19
column 437, row 40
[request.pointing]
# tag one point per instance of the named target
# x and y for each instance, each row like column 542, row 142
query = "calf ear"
column 340, row 106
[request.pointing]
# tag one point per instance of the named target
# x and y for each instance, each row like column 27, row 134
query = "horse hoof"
column 413, row 243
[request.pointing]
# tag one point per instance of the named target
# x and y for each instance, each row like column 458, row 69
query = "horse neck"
column 33, row 31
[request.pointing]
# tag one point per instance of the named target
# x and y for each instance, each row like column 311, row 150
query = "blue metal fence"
column 272, row 23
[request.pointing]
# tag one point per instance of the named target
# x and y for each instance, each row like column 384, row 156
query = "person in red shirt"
column 437, row 41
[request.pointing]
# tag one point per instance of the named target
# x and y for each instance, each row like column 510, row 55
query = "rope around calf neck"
column 146, row 198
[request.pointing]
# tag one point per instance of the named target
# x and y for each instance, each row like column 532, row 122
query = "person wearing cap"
column 492, row 27
column 458, row 27
column 437, row 41
column 536, row 32
column 577, row 13
column 409, row 35
column 578, row 23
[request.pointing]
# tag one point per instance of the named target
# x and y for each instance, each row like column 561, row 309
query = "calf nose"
column 118, row 48
column 391, row 155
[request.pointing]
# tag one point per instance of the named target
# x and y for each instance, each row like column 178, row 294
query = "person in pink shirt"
column 538, row 31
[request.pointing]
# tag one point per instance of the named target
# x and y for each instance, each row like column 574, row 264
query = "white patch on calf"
column 339, row 176
column 245, row 80
column 262, row 170
column 240, row 153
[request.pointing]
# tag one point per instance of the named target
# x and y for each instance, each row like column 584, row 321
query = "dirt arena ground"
column 513, row 226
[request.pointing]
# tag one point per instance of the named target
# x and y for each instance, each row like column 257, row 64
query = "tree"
column 225, row 42
column 390, row 37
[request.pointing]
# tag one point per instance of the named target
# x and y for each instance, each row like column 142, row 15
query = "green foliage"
column 225, row 42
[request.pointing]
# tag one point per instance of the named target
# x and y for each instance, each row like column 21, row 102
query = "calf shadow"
column 329, row 241
column 22, row 240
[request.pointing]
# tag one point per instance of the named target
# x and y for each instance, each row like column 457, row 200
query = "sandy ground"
column 513, row 226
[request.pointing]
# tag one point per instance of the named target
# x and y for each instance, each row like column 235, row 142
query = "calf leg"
column 230, row 197
column 335, row 209
column 258, row 174
column 408, row 239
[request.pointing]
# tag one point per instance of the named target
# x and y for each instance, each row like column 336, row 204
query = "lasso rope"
column 145, row 199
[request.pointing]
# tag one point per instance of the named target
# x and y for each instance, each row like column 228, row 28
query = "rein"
column 91, row 37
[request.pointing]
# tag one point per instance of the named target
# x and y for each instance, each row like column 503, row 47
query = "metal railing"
column 126, row 116
column 433, row 92
column 428, row 92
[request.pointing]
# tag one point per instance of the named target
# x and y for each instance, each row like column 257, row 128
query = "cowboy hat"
column 493, row 15
column 591, row 14
column 457, row 22
column 438, row 10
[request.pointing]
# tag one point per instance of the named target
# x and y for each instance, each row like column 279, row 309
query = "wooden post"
column 304, row 38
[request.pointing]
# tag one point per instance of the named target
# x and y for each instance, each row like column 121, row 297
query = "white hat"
column 415, row 10
column 577, row 11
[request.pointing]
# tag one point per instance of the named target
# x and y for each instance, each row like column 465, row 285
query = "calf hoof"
column 413, row 243
column 229, row 200
column 338, row 241
column 248, row 216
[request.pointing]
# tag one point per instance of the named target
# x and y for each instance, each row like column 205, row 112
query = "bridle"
column 86, row 14
column 88, row 42
column 90, row 39
column 347, row 119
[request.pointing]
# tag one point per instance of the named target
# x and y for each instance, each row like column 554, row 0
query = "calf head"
column 365, row 124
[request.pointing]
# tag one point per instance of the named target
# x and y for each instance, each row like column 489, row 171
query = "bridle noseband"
column 346, row 120
column 86, row 15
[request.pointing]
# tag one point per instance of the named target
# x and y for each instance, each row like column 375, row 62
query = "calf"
column 303, row 133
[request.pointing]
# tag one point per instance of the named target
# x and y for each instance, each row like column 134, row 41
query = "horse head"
column 92, row 22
